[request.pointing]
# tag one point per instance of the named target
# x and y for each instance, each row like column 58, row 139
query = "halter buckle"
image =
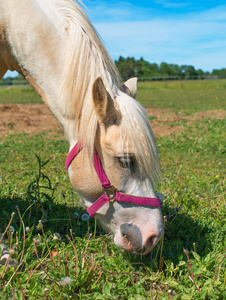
column 110, row 192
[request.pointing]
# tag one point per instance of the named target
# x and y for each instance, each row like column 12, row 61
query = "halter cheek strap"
column 110, row 194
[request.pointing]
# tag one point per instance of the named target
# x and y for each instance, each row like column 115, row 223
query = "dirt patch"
column 160, row 117
column 164, row 114
column 29, row 118
column 36, row 118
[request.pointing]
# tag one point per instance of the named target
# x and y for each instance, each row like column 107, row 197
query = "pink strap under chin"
column 117, row 196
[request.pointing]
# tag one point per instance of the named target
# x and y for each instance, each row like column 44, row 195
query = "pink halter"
column 109, row 192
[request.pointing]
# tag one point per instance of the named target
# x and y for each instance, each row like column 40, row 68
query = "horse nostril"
column 133, row 235
column 150, row 242
column 133, row 238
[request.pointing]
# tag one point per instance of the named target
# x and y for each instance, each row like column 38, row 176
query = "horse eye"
column 115, row 121
column 127, row 162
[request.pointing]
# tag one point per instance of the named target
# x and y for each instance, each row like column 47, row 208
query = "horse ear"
column 103, row 102
column 130, row 87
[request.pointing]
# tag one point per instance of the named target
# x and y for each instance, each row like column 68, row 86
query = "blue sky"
column 191, row 32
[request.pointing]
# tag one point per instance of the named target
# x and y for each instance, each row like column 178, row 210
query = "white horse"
column 55, row 47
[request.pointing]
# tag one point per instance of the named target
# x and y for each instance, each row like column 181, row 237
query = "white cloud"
column 172, row 4
column 197, row 38
column 118, row 10
column 103, row 11
column 215, row 14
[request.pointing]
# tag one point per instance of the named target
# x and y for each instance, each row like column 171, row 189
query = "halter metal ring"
column 110, row 192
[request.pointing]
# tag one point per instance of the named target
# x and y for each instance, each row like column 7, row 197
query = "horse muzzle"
column 131, row 239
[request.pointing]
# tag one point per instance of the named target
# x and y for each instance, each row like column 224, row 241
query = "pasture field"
column 189, row 119
column 18, row 94
column 188, row 95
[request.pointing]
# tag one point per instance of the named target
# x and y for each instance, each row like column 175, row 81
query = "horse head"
column 127, row 152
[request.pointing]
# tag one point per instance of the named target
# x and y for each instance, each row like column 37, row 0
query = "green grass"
column 19, row 94
column 191, row 264
column 190, row 95
column 193, row 96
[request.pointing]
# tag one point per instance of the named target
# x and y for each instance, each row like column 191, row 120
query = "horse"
column 113, row 162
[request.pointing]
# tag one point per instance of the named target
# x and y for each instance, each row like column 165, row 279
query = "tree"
column 126, row 67
column 165, row 70
column 220, row 73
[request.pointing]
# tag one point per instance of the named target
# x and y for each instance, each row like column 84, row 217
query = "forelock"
column 136, row 131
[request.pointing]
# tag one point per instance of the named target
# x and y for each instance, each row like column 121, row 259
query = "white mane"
column 85, row 60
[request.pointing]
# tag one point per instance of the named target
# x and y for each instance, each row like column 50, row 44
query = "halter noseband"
column 110, row 193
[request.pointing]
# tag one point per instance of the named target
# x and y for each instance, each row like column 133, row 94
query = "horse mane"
column 86, row 59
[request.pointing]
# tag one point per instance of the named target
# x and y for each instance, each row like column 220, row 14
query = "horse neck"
column 35, row 48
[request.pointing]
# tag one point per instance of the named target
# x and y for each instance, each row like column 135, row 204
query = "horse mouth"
column 132, row 238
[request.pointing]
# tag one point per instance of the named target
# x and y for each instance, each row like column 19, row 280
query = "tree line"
column 144, row 70
column 130, row 67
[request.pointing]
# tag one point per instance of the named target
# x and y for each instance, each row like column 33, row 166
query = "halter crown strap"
column 109, row 192
column 97, row 165
column 74, row 151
